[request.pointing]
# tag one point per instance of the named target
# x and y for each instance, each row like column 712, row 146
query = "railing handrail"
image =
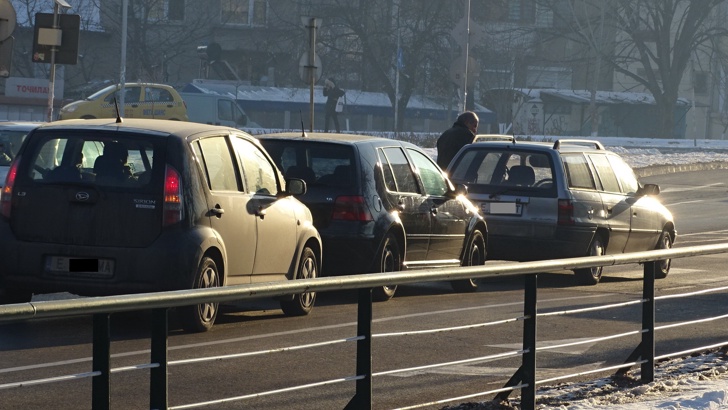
column 132, row 302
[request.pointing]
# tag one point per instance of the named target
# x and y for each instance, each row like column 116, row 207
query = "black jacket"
column 334, row 94
column 451, row 141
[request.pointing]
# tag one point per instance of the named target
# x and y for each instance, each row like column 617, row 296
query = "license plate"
column 501, row 208
column 64, row 265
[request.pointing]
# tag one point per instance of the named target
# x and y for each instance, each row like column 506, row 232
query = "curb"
column 669, row 169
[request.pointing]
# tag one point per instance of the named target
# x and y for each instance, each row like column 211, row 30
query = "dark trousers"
column 332, row 115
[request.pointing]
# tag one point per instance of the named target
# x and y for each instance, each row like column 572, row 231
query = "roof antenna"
column 118, row 117
column 303, row 130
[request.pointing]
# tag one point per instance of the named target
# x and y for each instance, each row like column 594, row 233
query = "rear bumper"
column 566, row 242
column 167, row 264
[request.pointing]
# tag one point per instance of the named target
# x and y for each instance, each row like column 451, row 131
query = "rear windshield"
column 93, row 157
column 316, row 163
column 523, row 169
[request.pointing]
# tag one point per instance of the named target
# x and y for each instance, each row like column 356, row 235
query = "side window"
column 606, row 173
column 397, row 171
column 625, row 174
column 577, row 172
column 259, row 173
column 218, row 164
column 430, row 174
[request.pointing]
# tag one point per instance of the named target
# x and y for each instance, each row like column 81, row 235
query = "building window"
column 160, row 10
column 176, row 10
column 244, row 12
column 700, row 82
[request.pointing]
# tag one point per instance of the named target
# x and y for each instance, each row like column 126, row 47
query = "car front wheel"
column 663, row 266
column 474, row 255
column 389, row 261
column 591, row 276
column 200, row 318
column 302, row 303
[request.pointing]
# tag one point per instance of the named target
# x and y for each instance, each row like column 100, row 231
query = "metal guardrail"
column 524, row 378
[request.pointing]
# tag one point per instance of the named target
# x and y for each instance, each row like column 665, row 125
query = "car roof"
column 322, row 136
column 560, row 145
column 179, row 128
column 20, row 125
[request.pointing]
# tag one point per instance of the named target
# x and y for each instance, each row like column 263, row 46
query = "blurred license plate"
column 501, row 208
column 66, row 265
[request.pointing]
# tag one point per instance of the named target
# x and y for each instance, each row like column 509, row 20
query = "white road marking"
column 694, row 188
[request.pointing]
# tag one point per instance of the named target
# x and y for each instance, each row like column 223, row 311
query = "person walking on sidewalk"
column 333, row 92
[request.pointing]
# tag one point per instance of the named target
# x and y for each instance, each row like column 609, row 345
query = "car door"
column 228, row 207
column 411, row 206
column 616, row 205
column 646, row 222
column 275, row 218
column 448, row 217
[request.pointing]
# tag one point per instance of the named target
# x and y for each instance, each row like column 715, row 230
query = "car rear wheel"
column 9, row 296
column 591, row 276
column 663, row 266
column 200, row 318
column 474, row 256
column 302, row 303
column 389, row 261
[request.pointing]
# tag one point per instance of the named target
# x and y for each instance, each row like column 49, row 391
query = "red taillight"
column 351, row 208
column 172, row 209
column 566, row 212
column 6, row 197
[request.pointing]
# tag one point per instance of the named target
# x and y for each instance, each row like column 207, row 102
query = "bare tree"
column 358, row 45
column 654, row 41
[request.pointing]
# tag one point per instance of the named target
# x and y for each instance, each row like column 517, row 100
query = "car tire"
column 390, row 260
column 8, row 296
column 663, row 266
column 474, row 255
column 200, row 318
column 591, row 276
column 302, row 303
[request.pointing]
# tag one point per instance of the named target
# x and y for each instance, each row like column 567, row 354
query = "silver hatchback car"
column 558, row 200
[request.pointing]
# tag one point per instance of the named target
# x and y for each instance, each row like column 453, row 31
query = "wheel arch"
column 216, row 255
column 475, row 225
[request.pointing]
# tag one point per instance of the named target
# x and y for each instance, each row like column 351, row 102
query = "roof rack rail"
column 597, row 145
column 494, row 137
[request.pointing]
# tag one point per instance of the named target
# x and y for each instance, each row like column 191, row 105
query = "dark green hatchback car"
column 381, row 205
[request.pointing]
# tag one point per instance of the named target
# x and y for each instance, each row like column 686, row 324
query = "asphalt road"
column 49, row 348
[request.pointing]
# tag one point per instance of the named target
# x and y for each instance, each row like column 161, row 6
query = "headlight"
column 69, row 108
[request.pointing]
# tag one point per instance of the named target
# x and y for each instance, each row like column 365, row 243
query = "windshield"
column 100, row 93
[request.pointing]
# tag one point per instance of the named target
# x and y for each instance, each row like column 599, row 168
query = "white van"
column 216, row 110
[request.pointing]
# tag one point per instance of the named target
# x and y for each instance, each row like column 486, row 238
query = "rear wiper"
column 501, row 192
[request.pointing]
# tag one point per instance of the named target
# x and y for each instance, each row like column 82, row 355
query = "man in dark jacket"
column 460, row 134
column 333, row 92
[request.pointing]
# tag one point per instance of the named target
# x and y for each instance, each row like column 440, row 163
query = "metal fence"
column 524, row 378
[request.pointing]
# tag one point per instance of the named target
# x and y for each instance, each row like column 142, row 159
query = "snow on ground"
column 698, row 382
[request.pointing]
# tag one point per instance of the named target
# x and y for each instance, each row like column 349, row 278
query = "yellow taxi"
column 141, row 100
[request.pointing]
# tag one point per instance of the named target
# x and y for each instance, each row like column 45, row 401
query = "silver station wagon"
column 565, row 199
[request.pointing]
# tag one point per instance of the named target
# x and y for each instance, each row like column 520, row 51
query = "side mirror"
column 648, row 189
column 295, row 186
column 457, row 190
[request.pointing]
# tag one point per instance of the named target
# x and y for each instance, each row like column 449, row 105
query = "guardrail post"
column 526, row 374
column 363, row 397
column 100, row 388
column 647, row 372
column 528, row 393
column 158, row 386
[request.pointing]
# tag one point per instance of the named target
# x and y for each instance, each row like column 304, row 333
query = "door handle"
column 217, row 211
